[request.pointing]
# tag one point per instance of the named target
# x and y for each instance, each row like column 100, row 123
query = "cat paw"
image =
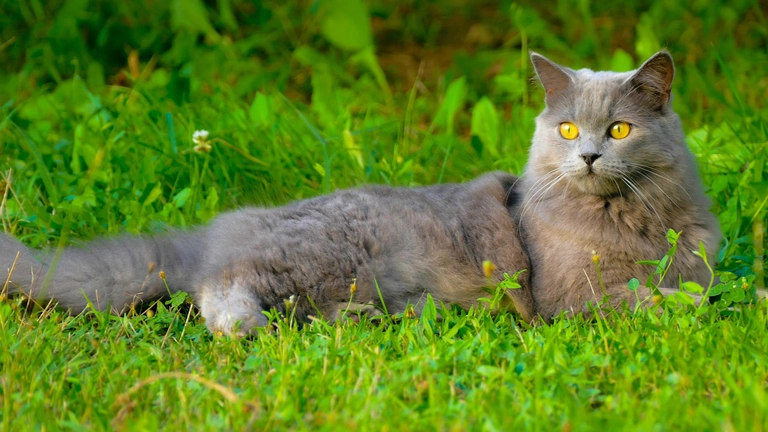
column 229, row 325
column 231, row 311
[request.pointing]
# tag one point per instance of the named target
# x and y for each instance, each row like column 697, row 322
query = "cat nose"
column 590, row 158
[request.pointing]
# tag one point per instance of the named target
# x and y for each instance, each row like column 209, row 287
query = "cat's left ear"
column 553, row 77
column 653, row 80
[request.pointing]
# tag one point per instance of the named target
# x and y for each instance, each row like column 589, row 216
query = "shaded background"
column 257, row 44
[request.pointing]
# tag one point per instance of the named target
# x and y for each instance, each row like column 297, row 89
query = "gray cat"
column 608, row 174
column 584, row 190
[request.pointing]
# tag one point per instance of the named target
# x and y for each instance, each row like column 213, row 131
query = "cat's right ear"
column 553, row 77
column 653, row 80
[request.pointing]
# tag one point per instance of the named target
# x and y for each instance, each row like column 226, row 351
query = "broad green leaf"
column 429, row 316
column 191, row 15
column 320, row 170
column 647, row 43
column 684, row 298
column 178, row 298
column 75, row 164
column 260, row 112
column 510, row 282
column 346, row 24
column 87, row 199
column 693, row 287
column 621, row 61
column 453, row 101
column 213, row 199
column 633, row 284
column 738, row 295
column 367, row 57
column 181, row 198
column 323, row 94
column 673, row 237
column 492, row 372
column 514, row 84
column 662, row 264
column 226, row 15
column 716, row 290
column 485, row 125
column 352, row 148
column 151, row 193
column 702, row 252
column 455, row 329
column 429, row 311
column 308, row 56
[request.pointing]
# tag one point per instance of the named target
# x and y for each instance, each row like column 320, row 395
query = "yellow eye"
column 619, row 130
column 569, row 130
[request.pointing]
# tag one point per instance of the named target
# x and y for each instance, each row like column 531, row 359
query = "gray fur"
column 114, row 274
column 408, row 241
column 639, row 187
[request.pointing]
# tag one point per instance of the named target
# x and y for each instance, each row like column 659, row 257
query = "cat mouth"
column 596, row 174
column 593, row 182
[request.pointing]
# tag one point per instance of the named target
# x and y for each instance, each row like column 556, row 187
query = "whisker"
column 543, row 179
column 660, row 189
column 650, row 170
column 618, row 188
column 537, row 194
column 662, row 176
column 646, row 203
column 565, row 191
column 552, row 184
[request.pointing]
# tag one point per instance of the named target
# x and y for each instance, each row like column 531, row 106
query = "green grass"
column 98, row 104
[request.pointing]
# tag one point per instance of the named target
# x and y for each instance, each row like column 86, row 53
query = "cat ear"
column 553, row 77
column 653, row 80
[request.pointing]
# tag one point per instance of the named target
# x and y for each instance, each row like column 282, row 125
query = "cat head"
column 602, row 132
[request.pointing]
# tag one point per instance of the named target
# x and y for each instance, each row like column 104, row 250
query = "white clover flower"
column 200, row 138
column 290, row 302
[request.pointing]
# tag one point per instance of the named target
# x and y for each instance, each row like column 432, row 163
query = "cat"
column 321, row 256
column 582, row 191
column 608, row 174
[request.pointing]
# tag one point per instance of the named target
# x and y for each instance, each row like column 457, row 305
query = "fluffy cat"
column 609, row 173
column 401, row 242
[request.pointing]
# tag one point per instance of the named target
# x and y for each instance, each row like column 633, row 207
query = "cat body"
column 611, row 196
column 393, row 244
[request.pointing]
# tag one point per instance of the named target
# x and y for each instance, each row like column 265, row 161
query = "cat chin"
column 597, row 185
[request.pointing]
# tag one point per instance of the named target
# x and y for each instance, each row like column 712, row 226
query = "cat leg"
column 231, row 310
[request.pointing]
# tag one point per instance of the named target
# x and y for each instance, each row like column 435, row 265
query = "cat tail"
column 112, row 274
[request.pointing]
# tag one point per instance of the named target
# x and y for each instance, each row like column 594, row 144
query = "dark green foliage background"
column 98, row 104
